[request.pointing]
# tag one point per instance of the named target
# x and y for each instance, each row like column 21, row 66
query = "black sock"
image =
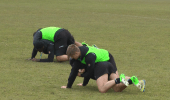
column 117, row 81
column 130, row 81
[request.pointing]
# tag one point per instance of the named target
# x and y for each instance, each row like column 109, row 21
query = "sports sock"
column 130, row 81
column 117, row 80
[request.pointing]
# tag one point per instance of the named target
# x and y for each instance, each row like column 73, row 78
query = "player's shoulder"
column 91, row 56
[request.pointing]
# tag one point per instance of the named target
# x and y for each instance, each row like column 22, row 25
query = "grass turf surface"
column 136, row 33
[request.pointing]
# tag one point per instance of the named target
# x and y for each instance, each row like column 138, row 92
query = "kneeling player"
column 100, row 65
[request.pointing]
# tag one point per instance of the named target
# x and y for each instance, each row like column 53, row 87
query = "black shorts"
column 102, row 68
column 112, row 61
column 63, row 40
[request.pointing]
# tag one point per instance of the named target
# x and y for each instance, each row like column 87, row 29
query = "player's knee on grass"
column 116, row 89
column 101, row 90
column 101, row 81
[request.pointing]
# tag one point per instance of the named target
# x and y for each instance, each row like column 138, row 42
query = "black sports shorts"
column 102, row 68
column 63, row 40
column 112, row 61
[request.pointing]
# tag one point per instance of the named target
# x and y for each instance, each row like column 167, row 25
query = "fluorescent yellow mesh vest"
column 101, row 54
column 48, row 33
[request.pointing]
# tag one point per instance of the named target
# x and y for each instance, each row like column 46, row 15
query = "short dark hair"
column 72, row 49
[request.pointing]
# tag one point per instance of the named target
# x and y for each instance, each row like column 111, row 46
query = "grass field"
column 135, row 32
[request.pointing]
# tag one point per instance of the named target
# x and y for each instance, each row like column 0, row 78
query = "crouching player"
column 99, row 64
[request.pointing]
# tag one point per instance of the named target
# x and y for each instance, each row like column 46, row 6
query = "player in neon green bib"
column 52, row 41
column 101, row 54
column 99, row 65
column 48, row 33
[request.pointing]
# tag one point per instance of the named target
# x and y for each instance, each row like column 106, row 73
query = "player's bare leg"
column 121, row 86
column 103, row 84
column 62, row 58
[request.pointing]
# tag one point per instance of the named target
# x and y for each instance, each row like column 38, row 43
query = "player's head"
column 73, row 51
column 39, row 46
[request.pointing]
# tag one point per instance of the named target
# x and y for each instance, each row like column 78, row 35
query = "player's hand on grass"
column 63, row 87
column 80, row 84
column 34, row 59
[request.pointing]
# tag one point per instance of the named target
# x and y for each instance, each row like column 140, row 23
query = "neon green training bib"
column 48, row 33
column 101, row 54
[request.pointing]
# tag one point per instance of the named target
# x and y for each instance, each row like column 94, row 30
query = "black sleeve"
column 73, row 74
column 37, row 36
column 50, row 51
column 85, row 81
column 71, row 61
column 34, row 53
column 90, row 61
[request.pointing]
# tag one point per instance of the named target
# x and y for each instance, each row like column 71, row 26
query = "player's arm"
column 85, row 81
column 37, row 36
column 34, row 53
column 72, row 76
column 90, row 61
column 50, row 50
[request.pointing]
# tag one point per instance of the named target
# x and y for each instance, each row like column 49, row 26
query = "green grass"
column 135, row 32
